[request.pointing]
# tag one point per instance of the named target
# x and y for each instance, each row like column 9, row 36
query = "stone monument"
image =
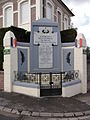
column 45, row 47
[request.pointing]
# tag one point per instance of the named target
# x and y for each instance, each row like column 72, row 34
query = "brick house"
column 21, row 13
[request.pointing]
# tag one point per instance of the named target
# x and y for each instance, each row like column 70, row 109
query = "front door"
column 51, row 84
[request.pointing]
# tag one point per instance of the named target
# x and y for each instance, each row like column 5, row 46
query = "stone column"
column 9, row 61
column 80, row 61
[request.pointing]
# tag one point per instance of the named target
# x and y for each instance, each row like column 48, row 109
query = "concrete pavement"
column 47, row 107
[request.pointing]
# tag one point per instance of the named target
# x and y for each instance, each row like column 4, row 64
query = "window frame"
column 52, row 5
column 23, row 5
column 66, row 17
column 6, row 6
column 19, row 14
column 60, row 11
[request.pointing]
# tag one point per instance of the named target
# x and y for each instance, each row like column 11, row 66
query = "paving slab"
column 43, row 114
column 14, row 111
column 27, row 113
column 7, row 109
column 35, row 114
column 78, row 114
column 58, row 114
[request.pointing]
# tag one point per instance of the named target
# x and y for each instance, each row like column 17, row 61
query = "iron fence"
column 70, row 75
column 45, row 79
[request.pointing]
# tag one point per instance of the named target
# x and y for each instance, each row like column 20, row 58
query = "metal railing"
column 44, row 79
column 26, row 77
column 70, row 75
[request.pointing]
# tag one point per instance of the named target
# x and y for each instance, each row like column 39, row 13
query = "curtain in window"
column 24, row 12
column 8, row 16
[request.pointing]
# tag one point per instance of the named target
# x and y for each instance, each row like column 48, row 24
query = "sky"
column 81, row 20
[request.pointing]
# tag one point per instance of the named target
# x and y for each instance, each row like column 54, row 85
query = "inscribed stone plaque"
column 45, row 38
column 45, row 56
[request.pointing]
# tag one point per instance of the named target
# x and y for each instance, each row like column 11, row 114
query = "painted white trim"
column 15, row 11
column 33, row 6
column 1, row 16
column 9, row 4
column 28, row 25
column 52, row 4
column 38, row 11
column 66, row 17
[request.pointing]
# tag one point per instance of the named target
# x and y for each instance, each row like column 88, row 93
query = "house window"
column 49, row 11
column 65, row 22
column 8, row 15
column 59, row 14
column 59, row 20
column 24, row 12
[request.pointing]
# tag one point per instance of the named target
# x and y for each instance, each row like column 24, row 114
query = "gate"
column 50, row 84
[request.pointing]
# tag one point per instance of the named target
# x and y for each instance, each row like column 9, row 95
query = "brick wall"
column 33, row 14
column 16, row 19
column 33, row 2
column 1, row 11
column 15, row 5
column 1, row 80
column 15, row 8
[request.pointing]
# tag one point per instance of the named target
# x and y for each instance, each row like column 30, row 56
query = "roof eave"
column 66, row 7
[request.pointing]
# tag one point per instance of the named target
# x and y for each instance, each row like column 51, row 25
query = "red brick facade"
column 16, row 19
column 1, row 11
column 15, row 5
column 33, row 14
column 1, row 80
column 56, row 3
column 33, row 2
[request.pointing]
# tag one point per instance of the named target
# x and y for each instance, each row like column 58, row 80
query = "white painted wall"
column 7, row 73
column 71, row 90
column 80, row 63
column 13, row 62
column 10, row 62
column 26, row 90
